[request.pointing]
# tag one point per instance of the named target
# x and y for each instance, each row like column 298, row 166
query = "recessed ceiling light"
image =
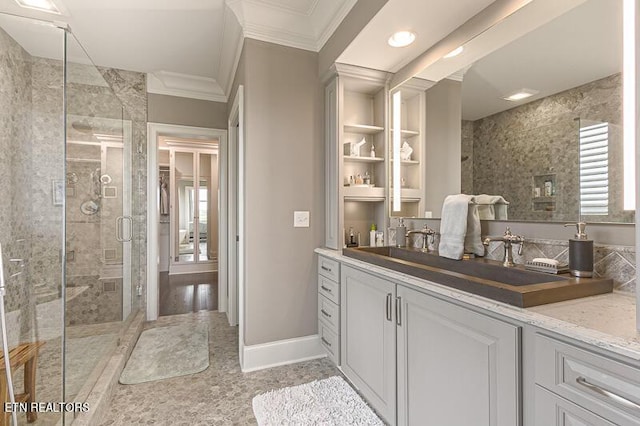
column 520, row 94
column 401, row 39
column 41, row 5
column 454, row 52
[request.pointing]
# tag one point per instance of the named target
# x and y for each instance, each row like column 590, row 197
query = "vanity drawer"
column 329, row 289
column 329, row 312
column 329, row 268
column 552, row 410
column 329, row 341
column 606, row 387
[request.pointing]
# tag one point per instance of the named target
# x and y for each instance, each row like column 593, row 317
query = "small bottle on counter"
column 401, row 233
column 372, row 235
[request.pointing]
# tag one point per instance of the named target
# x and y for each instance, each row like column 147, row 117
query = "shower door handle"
column 119, row 234
column 130, row 235
column 119, row 220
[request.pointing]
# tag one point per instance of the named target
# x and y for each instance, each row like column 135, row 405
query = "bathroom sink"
column 484, row 277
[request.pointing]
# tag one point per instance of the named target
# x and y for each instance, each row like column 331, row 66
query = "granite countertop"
column 607, row 321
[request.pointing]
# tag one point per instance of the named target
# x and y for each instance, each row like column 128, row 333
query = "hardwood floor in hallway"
column 180, row 294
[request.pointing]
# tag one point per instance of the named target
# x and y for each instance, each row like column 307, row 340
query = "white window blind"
column 594, row 169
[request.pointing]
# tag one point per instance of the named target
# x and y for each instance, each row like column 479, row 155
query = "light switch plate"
column 300, row 219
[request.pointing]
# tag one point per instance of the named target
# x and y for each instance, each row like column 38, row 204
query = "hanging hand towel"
column 472, row 238
column 453, row 226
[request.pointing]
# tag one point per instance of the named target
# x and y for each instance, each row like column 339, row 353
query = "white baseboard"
column 282, row 352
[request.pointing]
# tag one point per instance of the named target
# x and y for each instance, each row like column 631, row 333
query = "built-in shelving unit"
column 356, row 105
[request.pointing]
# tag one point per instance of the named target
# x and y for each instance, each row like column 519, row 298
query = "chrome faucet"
column 508, row 239
column 425, row 232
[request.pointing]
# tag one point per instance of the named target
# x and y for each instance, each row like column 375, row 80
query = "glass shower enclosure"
column 67, row 220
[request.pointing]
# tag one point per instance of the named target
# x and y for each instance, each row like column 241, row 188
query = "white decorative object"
column 355, row 147
column 405, row 151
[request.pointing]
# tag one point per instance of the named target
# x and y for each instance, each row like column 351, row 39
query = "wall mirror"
column 530, row 111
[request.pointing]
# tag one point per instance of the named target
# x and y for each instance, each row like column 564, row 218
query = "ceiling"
column 583, row 45
column 188, row 47
column 431, row 20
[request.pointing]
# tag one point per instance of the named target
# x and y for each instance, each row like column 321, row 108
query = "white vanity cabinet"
column 368, row 335
column 432, row 357
column 329, row 307
column 455, row 366
column 574, row 382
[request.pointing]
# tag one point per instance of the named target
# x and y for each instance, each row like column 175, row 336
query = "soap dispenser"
column 580, row 252
column 401, row 233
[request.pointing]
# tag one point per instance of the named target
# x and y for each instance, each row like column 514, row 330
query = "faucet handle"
column 521, row 245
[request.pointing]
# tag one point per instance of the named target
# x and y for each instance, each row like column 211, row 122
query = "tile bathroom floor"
column 220, row 395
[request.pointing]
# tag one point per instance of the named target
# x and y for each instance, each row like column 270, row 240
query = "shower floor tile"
column 220, row 395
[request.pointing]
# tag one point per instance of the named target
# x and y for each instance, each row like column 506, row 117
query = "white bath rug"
column 322, row 402
column 166, row 352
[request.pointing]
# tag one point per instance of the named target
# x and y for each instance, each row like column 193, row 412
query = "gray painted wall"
column 186, row 111
column 443, row 116
column 284, row 171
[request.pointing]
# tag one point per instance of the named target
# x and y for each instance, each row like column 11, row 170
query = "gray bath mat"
column 323, row 402
column 165, row 352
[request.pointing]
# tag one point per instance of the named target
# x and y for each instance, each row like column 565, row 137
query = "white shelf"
column 363, row 159
column 359, row 193
column 408, row 162
column 362, row 128
column 407, row 132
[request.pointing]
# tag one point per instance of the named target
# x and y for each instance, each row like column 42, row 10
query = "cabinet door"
column 368, row 333
column 455, row 366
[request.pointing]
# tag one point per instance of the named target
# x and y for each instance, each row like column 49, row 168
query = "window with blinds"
column 594, row 169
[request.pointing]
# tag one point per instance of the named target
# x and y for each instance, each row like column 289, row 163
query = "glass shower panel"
column 99, row 223
column 33, row 195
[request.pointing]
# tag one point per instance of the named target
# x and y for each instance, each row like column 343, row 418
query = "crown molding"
column 306, row 28
column 185, row 86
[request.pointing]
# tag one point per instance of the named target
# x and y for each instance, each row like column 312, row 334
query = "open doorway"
column 183, row 218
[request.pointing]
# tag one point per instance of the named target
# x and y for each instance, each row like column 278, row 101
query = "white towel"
column 491, row 207
column 453, row 226
column 472, row 239
column 460, row 227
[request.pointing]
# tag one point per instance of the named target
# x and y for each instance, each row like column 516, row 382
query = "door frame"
column 236, row 294
column 154, row 130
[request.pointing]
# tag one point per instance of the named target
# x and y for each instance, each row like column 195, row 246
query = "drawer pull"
column 325, row 313
column 325, row 288
column 326, row 342
column 617, row 398
column 324, row 268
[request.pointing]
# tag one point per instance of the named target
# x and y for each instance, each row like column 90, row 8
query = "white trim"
column 335, row 22
column 236, row 294
column 282, row 352
column 185, row 86
column 153, row 196
column 192, row 268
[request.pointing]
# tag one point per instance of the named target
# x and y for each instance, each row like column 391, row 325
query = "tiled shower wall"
column 31, row 159
column 506, row 150
column 101, row 301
